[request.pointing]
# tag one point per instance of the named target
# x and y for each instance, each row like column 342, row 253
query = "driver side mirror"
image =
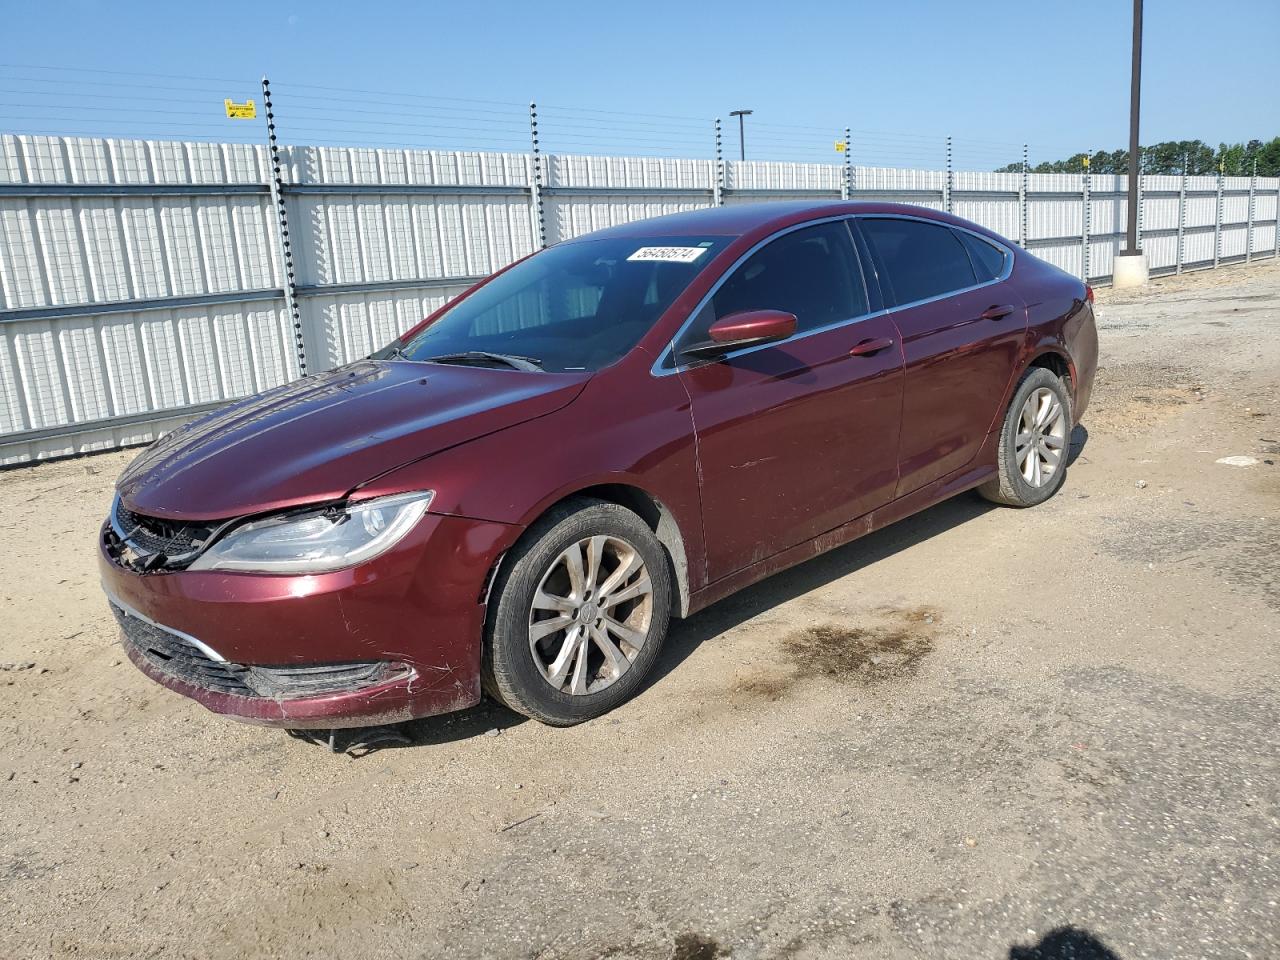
column 748, row 328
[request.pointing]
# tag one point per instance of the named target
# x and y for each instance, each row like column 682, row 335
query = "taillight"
column 1088, row 293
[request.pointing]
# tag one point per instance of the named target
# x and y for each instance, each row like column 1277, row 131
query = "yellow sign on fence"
column 241, row 111
column 840, row 146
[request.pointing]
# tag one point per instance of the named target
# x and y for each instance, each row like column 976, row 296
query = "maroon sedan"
column 520, row 492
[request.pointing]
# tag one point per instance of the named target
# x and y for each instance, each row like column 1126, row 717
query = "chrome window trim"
column 1004, row 275
column 658, row 370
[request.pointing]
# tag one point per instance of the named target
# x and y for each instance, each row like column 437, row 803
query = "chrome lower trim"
column 203, row 647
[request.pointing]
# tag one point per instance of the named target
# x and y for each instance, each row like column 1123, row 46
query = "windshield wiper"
column 470, row 356
column 392, row 351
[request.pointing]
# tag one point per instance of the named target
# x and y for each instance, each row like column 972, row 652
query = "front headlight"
column 317, row 542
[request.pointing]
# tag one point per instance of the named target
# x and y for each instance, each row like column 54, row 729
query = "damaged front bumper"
column 383, row 642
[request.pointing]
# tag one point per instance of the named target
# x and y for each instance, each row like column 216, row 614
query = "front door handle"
column 868, row 347
column 996, row 312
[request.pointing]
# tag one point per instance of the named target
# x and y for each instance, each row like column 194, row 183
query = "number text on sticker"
column 669, row 254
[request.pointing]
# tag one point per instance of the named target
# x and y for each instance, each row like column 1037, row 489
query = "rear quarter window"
column 988, row 259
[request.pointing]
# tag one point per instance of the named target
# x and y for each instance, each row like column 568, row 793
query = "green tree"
column 1172, row 157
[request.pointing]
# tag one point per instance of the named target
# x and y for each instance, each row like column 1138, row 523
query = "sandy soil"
column 954, row 738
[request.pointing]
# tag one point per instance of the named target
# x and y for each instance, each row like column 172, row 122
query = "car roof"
column 739, row 219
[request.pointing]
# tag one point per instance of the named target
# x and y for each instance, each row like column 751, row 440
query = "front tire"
column 578, row 614
column 1034, row 442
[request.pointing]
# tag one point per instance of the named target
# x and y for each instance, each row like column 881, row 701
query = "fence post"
column 1141, row 201
column 286, row 248
column 535, row 185
column 1217, row 223
column 1182, row 214
column 1084, row 223
column 1022, row 198
column 1253, row 188
column 946, row 187
column 1276, row 221
column 717, row 180
column 846, row 186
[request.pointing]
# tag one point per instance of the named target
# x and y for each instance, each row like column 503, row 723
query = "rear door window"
column 918, row 260
column 988, row 259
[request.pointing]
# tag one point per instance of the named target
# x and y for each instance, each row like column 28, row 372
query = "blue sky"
column 647, row 78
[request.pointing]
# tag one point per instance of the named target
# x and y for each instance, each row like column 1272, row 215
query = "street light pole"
column 1130, row 269
column 742, row 143
column 1135, row 91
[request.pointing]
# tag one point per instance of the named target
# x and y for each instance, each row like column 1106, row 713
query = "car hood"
column 318, row 438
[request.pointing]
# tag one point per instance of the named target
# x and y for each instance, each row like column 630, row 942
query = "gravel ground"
column 981, row 733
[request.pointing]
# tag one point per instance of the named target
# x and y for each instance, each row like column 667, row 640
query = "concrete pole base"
column 1130, row 270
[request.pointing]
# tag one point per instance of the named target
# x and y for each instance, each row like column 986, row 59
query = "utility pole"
column 742, row 143
column 1131, row 265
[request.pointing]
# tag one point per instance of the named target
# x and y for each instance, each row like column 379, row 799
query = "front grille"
column 177, row 657
column 152, row 536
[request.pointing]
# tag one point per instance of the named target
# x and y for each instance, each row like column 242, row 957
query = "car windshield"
column 575, row 306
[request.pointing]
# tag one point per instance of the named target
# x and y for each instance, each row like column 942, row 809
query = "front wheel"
column 578, row 614
column 1034, row 441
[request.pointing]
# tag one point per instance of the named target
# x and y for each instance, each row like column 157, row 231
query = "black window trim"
column 1004, row 275
column 980, row 239
column 668, row 354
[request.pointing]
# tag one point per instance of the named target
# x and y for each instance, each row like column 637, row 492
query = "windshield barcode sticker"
column 669, row 254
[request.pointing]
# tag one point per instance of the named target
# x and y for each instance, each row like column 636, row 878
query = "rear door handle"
column 868, row 347
column 995, row 313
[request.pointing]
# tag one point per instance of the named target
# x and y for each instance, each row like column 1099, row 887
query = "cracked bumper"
column 419, row 604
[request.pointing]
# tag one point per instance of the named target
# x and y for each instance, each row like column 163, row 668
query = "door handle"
column 868, row 347
column 996, row 312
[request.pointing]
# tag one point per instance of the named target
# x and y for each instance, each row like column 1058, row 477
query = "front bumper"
column 414, row 614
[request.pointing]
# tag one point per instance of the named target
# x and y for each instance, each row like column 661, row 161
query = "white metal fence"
column 144, row 281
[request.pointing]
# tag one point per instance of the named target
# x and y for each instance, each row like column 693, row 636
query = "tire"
column 1012, row 486
column 544, row 677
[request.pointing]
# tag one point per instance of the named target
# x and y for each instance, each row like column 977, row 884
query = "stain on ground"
column 764, row 687
column 1244, row 552
column 864, row 655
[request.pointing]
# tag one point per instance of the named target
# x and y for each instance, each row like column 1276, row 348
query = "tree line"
column 1173, row 156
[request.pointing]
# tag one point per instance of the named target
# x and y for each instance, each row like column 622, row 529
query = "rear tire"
column 1034, row 443
column 577, row 615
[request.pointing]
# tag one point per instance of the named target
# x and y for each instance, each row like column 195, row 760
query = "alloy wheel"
column 1041, row 440
column 591, row 615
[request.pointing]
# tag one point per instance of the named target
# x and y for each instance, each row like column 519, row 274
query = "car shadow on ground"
column 1079, row 437
column 1065, row 943
column 685, row 636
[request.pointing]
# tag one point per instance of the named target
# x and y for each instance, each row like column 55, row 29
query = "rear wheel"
column 578, row 614
column 1034, row 441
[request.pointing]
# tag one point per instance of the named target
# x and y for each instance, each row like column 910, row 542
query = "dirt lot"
column 950, row 739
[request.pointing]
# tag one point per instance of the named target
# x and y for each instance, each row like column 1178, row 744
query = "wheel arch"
column 656, row 515
column 661, row 521
column 1053, row 357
